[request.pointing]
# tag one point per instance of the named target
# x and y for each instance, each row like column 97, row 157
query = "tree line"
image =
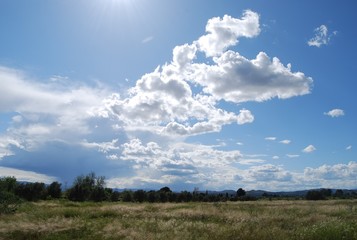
column 92, row 188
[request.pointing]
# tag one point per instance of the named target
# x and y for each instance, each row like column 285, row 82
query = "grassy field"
column 280, row 219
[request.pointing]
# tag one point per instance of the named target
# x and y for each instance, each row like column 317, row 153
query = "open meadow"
column 278, row 219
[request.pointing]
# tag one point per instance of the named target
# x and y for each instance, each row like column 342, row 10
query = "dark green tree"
column 326, row 192
column 54, row 190
column 31, row 191
column 9, row 202
column 127, row 196
column 165, row 190
column 8, row 184
column 315, row 195
column 87, row 188
column 139, row 196
column 339, row 193
column 151, row 196
column 240, row 192
column 114, row 196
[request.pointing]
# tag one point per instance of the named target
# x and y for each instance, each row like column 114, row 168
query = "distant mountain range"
column 258, row 193
column 261, row 193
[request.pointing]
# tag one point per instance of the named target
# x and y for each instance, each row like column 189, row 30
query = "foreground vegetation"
column 89, row 210
column 263, row 219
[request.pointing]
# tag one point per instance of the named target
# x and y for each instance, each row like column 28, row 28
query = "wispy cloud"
column 270, row 138
column 322, row 36
column 26, row 176
column 349, row 147
column 147, row 39
column 335, row 113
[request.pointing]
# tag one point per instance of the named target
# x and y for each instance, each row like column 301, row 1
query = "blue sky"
column 207, row 94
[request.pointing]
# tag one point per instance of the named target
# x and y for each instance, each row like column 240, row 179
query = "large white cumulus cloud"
column 237, row 79
column 184, row 97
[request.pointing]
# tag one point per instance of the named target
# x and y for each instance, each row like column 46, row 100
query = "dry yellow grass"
column 231, row 220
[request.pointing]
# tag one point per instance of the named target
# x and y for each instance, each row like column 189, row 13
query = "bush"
column 127, row 196
column 139, row 196
column 54, row 190
column 9, row 202
column 31, row 191
column 315, row 195
column 114, row 197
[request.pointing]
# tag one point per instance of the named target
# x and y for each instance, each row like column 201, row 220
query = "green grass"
column 281, row 219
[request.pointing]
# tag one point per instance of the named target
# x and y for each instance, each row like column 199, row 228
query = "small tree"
column 114, row 197
column 315, row 195
column 139, row 196
column 127, row 196
column 8, row 184
column 151, row 196
column 8, row 200
column 165, row 190
column 88, row 187
column 54, row 190
column 339, row 193
column 241, row 192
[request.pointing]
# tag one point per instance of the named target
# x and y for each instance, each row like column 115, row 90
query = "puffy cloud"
column 286, row 141
column 187, row 154
column 245, row 116
column 165, row 104
column 103, row 147
column 237, row 79
column 224, row 32
column 179, row 164
column 322, row 37
column 184, row 55
column 347, row 172
column 268, row 172
column 156, row 98
column 335, row 113
column 135, row 150
column 184, row 165
column 7, row 143
column 309, row 149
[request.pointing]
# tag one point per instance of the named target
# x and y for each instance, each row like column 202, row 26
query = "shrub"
column 315, row 195
column 54, row 190
column 9, row 202
column 31, row 191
